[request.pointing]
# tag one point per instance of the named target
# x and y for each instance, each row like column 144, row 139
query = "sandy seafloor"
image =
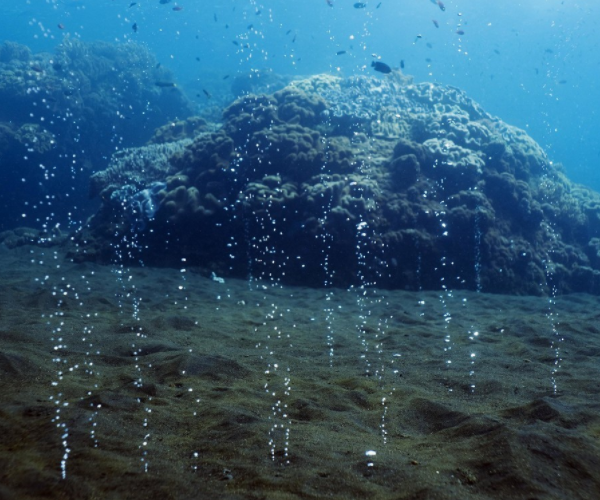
column 213, row 417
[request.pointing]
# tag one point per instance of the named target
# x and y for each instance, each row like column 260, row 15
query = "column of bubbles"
column 277, row 376
column 181, row 298
column 128, row 249
column 444, row 270
column 418, row 271
column 56, row 323
column 62, row 334
column 551, row 289
column 66, row 331
column 326, row 241
column 473, row 331
column 371, row 264
column 381, row 373
column 267, row 261
column 90, row 351
column 473, row 337
column 70, row 323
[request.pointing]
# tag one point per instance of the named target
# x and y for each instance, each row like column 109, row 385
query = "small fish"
column 340, row 52
column 235, row 42
column 402, row 64
column 429, row 46
column 250, row 26
column 460, row 32
column 165, row 85
column 198, row 59
column 381, row 67
column 61, row 26
column 37, row 68
column 441, row 5
column 288, row 32
column 206, row 93
column 163, row 2
column 329, row 2
column 562, row 82
column 157, row 66
column 549, row 51
column 497, row 51
column 177, row 8
column 360, row 5
column 134, row 27
column 225, row 77
column 132, row 4
column 294, row 39
column 258, row 12
column 68, row 92
column 378, row 5
column 435, row 23
column 215, row 18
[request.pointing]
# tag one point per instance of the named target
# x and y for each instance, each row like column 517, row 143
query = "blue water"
column 535, row 63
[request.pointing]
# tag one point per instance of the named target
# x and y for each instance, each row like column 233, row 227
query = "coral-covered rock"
column 137, row 167
column 180, row 130
column 363, row 181
column 79, row 103
column 10, row 51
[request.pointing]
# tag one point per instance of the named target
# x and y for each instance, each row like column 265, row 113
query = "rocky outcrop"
column 365, row 180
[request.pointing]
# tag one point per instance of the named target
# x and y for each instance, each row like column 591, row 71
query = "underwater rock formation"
column 356, row 181
column 137, row 167
column 105, row 90
column 69, row 110
column 139, row 205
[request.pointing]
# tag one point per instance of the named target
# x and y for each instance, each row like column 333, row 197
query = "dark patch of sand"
column 230, row 391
